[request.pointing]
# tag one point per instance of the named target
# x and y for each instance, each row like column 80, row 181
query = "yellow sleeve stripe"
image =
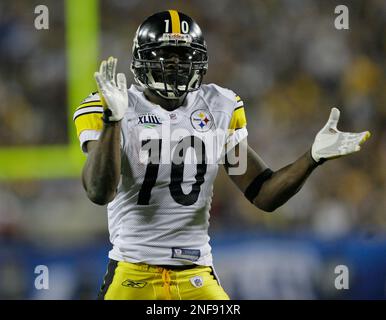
column 90, row 104
column 86, row 110
column 238, row 98
column 239, row 119
column 88, row 121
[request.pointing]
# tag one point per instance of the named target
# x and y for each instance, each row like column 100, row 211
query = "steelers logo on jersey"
column 201, row 120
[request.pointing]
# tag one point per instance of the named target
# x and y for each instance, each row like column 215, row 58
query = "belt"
column 179, row 267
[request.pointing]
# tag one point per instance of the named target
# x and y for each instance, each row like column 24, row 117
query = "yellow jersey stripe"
column 94, row 103
column 239, row 119
column 176, row 25
column 238, row 98
column 88, row 121
column 87, row 110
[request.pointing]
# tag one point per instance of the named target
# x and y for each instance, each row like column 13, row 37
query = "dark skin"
column 167, row 104
column 281, row 186
column 102, row 170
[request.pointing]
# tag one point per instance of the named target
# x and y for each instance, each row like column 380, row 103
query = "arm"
column 102, row 170
column 269, row 190
column 280, row 186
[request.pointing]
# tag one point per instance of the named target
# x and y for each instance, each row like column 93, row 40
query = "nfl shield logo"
column 197, row 281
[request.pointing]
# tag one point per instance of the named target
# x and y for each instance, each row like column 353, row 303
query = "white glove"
column 331, row 143
column 113, row 93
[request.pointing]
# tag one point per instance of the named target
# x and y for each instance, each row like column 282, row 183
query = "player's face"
column 167, row 104
column 173, row 54
column 173, row 65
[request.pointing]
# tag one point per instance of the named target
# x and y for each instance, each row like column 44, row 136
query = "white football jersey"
column 160, row 215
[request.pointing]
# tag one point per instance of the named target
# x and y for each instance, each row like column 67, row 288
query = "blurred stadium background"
column 290, row 66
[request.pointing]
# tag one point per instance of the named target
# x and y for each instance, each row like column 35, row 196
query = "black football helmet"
column 169, row 54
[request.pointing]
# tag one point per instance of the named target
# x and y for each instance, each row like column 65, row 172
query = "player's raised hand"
column 331, row 143
column 112, row 90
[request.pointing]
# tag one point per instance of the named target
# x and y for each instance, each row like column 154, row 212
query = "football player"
column 153, row 152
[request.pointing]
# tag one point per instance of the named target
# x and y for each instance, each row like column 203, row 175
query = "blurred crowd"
column 284, row 58
column 32, row 76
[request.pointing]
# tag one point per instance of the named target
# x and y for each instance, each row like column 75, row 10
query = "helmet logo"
column 177, row 37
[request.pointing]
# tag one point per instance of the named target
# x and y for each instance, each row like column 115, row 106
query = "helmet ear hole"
column 154, row 45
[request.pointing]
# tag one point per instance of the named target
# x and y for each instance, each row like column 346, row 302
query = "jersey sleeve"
column 237, row 130
column 88, row 119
